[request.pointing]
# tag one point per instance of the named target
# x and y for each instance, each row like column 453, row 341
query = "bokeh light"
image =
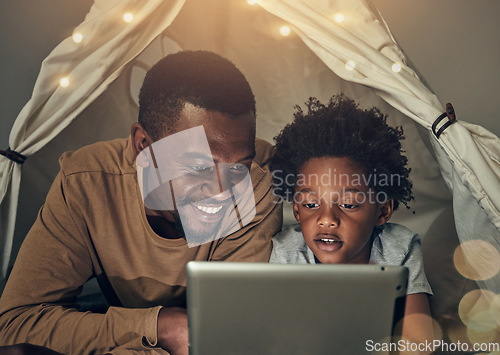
column 77, row 37
column 339, row 17
column 350, row 65
column 396, row 67
column 128, row 17
column 495, row 305
column 475, row 310
column 251, row 2
column 285, row 30
column 422, row 319
column 477, row 260
column 458, row 333
column 478, row 336
column 64, row 82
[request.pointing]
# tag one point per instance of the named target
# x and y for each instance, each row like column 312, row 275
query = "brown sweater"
column 93, row 224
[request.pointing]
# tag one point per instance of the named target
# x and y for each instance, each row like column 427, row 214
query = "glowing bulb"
column 396, row 67
column 77, row 37
column 339, row 17
column 251, row 2
column 285, row 30
column 128, row 17
column 350, row 65
column 64, row 82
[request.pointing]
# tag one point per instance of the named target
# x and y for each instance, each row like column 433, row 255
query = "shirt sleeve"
column 37, row 305
column 417, row 281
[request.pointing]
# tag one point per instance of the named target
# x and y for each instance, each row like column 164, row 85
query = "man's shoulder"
column 263, row 152
column 111, row 157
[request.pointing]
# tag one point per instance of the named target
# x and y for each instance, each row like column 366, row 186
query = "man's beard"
column 195, row 236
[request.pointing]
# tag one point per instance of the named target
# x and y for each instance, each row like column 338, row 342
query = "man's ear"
column 140, row 139
column 385, row 212
column 296, row 211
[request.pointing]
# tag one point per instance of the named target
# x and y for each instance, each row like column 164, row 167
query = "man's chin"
column 195, row 227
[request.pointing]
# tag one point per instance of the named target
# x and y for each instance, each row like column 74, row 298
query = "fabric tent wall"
column 284, row 72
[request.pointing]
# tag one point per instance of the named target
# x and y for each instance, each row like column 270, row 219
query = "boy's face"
column 337, row 210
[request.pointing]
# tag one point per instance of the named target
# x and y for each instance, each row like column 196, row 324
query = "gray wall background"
column 453, row 43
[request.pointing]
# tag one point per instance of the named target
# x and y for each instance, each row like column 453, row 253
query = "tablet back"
column 261, row 308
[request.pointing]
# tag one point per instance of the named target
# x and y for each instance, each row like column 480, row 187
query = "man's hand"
column 26, row 349
column 173, row 330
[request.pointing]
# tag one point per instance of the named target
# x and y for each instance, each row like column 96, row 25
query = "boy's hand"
column 173, row 330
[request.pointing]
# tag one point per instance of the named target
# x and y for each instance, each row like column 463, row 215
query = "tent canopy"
column 459, row 172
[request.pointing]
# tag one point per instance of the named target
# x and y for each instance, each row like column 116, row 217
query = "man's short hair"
column 202, row 78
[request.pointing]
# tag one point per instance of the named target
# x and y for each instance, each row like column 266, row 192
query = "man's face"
column 209, row 163
column 337, row 211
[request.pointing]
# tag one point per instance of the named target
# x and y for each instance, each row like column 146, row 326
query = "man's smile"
column 208, row 209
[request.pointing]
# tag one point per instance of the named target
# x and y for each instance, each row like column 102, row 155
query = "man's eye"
column 202, row 168
column 238, row 168
column 310, row 205
column 348, row 206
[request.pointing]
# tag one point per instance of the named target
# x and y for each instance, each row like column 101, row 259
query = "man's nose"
column 219, row 186
column 328, row 216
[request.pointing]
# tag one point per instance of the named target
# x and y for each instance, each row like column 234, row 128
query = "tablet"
column 262, row 308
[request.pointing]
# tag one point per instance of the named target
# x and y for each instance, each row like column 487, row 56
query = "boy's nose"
column 328, row 217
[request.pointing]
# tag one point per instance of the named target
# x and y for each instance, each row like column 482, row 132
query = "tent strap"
column 452, row 118
column 13, row 155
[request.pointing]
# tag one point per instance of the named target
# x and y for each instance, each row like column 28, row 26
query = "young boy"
column 343, row 171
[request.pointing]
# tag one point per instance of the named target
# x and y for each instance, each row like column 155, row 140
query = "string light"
column 285, row 30
column 128, row 17
column 350, row 65
column 339, row 17
column 77, row 37
column 396, row 67
column 64, row 82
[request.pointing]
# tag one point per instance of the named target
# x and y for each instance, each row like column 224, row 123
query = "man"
column 135, row 226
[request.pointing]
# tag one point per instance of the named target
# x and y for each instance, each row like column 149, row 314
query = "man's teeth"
column 209, row 210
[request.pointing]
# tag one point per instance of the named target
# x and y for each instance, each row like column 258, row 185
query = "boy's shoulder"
column 396, row 233
column 291, row 235
column 392, row 243
column 289, row 247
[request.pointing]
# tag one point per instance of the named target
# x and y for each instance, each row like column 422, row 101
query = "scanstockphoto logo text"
column 430, row 346
column 286, row 185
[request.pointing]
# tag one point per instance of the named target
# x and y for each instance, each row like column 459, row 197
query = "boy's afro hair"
column 342, row 129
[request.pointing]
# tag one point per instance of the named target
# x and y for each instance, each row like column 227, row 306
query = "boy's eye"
column 310, row 205
column 348, row 206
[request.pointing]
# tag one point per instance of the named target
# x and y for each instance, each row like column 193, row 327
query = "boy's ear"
column 296, row 211
column 385, row 212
